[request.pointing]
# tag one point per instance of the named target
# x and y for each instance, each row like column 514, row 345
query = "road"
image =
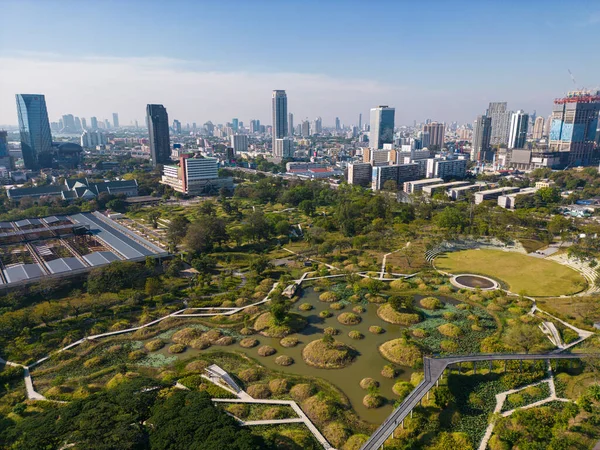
column 434, row 369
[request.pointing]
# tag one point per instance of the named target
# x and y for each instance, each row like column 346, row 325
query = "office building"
column 195, row 175
column 5, row 159
column 338, row 126
column 360, row 174
column 446, row 168
column 538, row 128
column 116, row 120
column 517, row 136
column 360, row 121
column 78, row 127
column 436, row 132
column 382, row 126
column 68, row 122
column 573, row 128
column 305, row 128
column 482, row 133
column 158, row 130
column 398, row 173
column 34, row 127
column 284, row 148
column 500, row 122
column 176, row 126
column 318, row 126
column 83, row 124
column 235, row 123
column 432, row 189
column 290, row 124
column 106, row 124
column 280, row 115
column 94, row 123
column 239, row 143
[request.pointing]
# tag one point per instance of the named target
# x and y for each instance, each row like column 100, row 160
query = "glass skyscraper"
column 158, row 129
column 382, row 126
column 36, row 140
column 280, row 116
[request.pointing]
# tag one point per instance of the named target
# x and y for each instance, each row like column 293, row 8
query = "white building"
column 284, row 148
column 195, row 176
column 509, row 201
column 92, row 138
column 412, row 187
column 517, row 136
column 446, row 168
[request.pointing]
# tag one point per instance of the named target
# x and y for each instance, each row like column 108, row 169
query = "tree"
column 207, row 208
column 259, row 264
column 279, row 310
column 117, row 205
column 153, row 287
column 390, row 185
column 204, row 263
column 204, row 234
column 153, row 217
column 177, row 229
column 452, row 219
column 443, row 397
column 525, row 337
column 307, row 207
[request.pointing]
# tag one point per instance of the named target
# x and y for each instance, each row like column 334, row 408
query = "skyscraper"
column 36, row 139
column 538, row 128
column 573, row 128
column 106, row 124
column 116, row 120
column 239, row 143
column 517, row 136
column 500, row 122
column 176, row 126
column 158, row 129
column 290, row 124
column 382, row 126
column 436, row 131
column 235, row 124
column 318, row 126
column 482, row 132
column 94, row 122
column 337, row 124
column 284, row 148
column 360, row 121
column 68, row 124
column 305, row 128
column 280, row 122
column 83, row 123
column 77, row 124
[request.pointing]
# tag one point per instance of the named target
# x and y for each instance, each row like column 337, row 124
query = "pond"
column 475, row 281
column 369, row 362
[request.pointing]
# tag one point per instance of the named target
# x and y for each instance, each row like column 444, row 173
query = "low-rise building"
column 459, row 192
column 412, row 187
column 509, row 201
column 76, row 188
column 434, row 188
column 493, row 194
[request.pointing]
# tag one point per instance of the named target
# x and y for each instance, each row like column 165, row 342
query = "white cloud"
column 99, row 86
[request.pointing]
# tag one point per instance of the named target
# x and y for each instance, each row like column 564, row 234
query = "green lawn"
column 522, row 273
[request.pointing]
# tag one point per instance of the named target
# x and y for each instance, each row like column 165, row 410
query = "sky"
column 215, row 60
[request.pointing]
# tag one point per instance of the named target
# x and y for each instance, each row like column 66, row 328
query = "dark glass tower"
column 382, row 127
column 36, row 140
column 280, row 115
column 158, row 129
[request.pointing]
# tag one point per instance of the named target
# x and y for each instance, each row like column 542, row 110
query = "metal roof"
column 6, row 225
column 53, row 219
column 64, row 265
column 23, row 272
column 100, row 258
column 25, row 222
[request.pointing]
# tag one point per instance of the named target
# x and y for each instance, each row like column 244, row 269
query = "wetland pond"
column 368, row 363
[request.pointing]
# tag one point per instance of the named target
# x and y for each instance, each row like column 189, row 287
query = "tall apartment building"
column 436, row 132
column 116, row 120
column 92, row 138
column 382, row 126
column 239, row 143
column 34, row 127
column 280, row 115
column 446, row 168
column 573, row 128
column 284, row 148
column 305, row 128
column 538, row 128
column 360, row 174
column 158, row 129
column 399, row 173
column 500, row 122
column 517, row 136
column 482, row 133
column 290, row 124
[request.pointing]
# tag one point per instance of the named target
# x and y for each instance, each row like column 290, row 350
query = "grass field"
column 522, row 273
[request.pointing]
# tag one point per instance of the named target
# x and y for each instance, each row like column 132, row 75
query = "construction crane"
column 572, row 77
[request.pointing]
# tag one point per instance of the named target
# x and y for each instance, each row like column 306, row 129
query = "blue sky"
column 216, row 60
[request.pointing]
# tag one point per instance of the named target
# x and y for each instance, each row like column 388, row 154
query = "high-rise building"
column 318, row 126
column 116, row 120
column 235, row 124
column 280, row 115
column 482, row 133
column 3, row 144
column 94, row 123
column 176, row 126
column 83, row 123
column 92, row 138
column 68, row 124
column 290, row 124
column 239, row 143
column 360, row 173
column 538, row 128
column 107, row 124
column 36, row 139
column 574, row 125
column 337, row 124
column 284, row 148
column 547, row 126
column 436, row 132
column 195, row 175
column 78, row 126
column 158, row 129
column 517, row 136
column 500, row 122
column 305, row 128
column 360, row 121
column 382, row 126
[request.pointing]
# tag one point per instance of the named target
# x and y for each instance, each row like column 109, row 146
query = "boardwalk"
column 434, row 369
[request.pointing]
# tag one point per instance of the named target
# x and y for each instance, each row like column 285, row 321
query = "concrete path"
column 382, row 274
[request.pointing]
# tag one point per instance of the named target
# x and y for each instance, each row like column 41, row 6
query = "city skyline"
column 131, row 67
